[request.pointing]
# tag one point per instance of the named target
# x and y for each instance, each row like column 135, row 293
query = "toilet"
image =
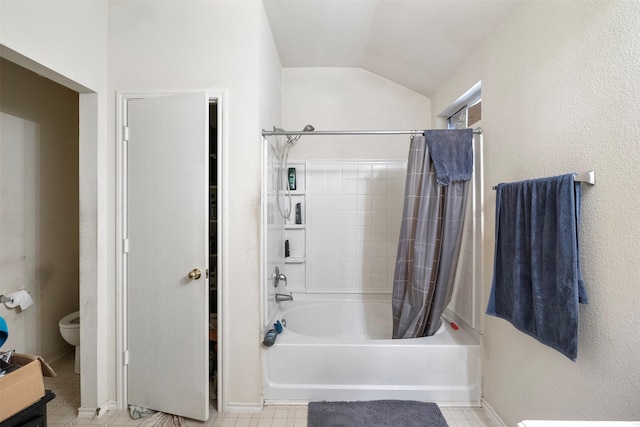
column 70, row 331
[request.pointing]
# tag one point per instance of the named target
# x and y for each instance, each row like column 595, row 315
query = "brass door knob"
column 195, row 274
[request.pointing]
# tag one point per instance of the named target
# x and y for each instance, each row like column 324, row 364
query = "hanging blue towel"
column 537, row 283
column 451, row 151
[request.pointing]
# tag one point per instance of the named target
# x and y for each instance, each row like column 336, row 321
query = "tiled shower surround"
column 354, row 209
column 348, row 239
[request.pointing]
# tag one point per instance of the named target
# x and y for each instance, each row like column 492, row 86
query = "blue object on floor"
column 4, row 331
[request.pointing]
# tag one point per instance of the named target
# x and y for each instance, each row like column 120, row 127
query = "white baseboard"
column 459, row 404
column 493, row 415
column 85, row 413
column 92, row 413
column 243, row 408
column 109, row 405
column 286, row 402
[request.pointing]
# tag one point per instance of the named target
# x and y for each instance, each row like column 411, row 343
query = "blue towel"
column 537, row 283
column 452, row 154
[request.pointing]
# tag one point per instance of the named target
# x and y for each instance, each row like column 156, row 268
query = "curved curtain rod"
column 276, row 132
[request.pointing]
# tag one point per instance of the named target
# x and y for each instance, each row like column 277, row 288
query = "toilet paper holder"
column 4, row 299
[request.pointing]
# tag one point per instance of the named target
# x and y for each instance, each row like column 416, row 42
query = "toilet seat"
column 70, row 321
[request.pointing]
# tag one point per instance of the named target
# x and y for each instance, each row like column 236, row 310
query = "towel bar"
column 587, row 178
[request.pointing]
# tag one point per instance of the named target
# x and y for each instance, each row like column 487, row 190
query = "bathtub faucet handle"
column 277, row 277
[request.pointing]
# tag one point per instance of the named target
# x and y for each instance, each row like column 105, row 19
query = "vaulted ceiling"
column 415, row 43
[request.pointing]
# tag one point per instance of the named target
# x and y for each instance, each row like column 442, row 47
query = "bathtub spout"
column 284, row 297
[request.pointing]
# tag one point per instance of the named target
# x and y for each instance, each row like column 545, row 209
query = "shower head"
column 293, row 140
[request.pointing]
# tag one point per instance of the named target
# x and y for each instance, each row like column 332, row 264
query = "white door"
column 167, row 231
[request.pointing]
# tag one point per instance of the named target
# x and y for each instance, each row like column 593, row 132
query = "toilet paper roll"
column 20, row 298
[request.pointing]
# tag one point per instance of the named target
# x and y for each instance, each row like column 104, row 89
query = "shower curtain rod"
column 277, row 132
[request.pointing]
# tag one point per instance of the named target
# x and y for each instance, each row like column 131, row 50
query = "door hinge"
column 125, row 246
column 125, row 133
column 125, row 358
column 206, row 274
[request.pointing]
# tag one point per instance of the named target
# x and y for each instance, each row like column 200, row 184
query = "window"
column 466, row 116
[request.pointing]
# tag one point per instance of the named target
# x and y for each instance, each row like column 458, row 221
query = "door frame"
column 220, row 96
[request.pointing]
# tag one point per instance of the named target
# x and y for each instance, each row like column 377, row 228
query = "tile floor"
column 61, row 411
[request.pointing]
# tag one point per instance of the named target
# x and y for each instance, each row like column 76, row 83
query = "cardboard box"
column 23, row 387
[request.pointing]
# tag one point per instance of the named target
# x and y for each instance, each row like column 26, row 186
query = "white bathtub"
column 334, row 350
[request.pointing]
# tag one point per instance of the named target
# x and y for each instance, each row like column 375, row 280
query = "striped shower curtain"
column 429, row 246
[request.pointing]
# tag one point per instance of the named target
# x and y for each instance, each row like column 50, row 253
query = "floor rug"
column 376, row 413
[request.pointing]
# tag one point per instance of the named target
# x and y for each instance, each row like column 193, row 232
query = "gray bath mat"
column 376, row 413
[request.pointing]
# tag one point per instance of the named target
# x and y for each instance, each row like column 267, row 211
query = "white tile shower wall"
column 354, row 210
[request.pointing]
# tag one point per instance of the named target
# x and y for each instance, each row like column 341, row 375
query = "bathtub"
column 336, row 350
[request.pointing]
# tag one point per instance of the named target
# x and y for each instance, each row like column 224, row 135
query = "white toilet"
column 70, row 331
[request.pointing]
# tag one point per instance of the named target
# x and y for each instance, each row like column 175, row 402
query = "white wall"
column 559, row 88
column 52, row 40
column 270, row 112
column 38, row 207
column 174, row 46
column 53, row 48
column 350, row 99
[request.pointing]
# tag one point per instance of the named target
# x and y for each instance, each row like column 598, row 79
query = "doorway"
column 94, row 176
column 170, row 173
column 39, row 208
column 213, row 252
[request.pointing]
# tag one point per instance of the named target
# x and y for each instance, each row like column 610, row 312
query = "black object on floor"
column 375, row 413
column 33, row 416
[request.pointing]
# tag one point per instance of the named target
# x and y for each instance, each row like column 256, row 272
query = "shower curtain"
column 430, row 238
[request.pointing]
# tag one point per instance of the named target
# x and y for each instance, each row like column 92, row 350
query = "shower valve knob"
column 277, row 277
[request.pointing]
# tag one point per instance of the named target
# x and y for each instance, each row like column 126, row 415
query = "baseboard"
column 493, row 415
column 286, row 402
column 85, row 413
column 97, row 412
column 243, row 408
column 59, row 356
column 109, row 405
column 459, row 404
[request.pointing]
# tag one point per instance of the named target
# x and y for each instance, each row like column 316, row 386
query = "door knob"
column 195, row 274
